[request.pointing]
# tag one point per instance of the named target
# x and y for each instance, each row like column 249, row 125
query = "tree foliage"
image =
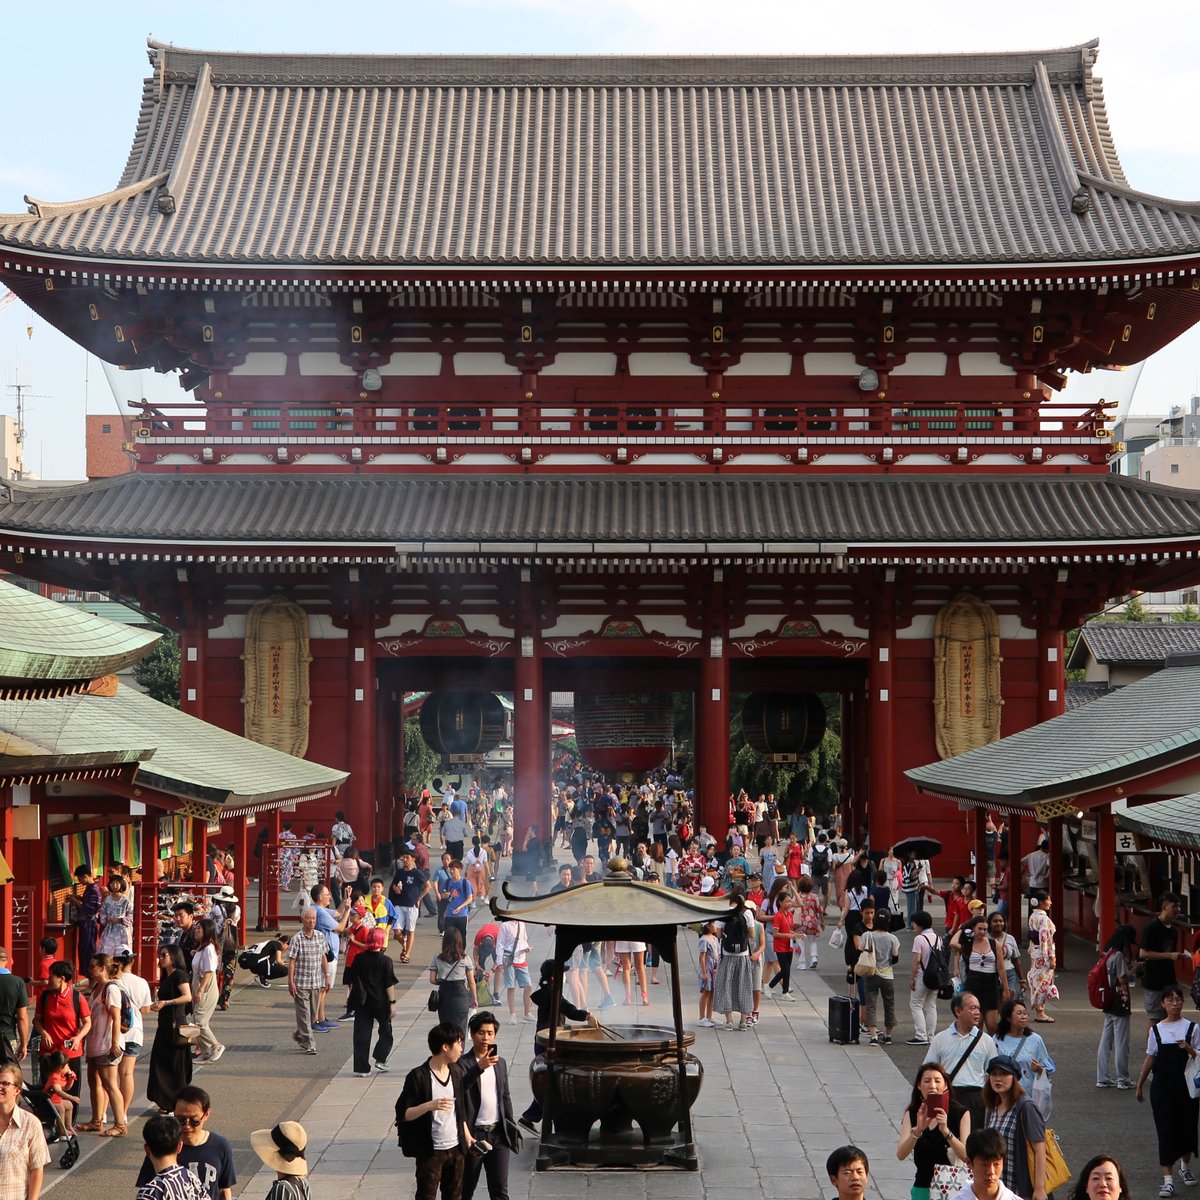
column 421, row 763
column 158, row 673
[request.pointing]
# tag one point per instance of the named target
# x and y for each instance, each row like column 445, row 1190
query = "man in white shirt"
column 512, row 956
column 964, row 1050
column 434, row 1129
column 489, row 1109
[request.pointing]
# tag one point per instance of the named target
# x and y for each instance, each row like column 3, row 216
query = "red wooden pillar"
column 1106, row 874
column 1052, row 678
column 1057, row 891
column 359, row 790
column 1016, row 912
column 193, row 655
column 712, row 717
column 147, row 894
column 881, row 718
column 241, row 864
column 6, row 892
column 199, row 849
column 531, row 765
column 981, row 865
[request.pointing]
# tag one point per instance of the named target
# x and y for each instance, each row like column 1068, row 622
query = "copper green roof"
column 179, row 754
column 1144, row 727
column 42, row 639
column 1173, row 823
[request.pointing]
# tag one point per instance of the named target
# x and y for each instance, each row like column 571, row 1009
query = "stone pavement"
column 774, row 1103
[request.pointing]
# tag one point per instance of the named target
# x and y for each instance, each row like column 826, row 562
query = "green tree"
column 1135, row 610
column 1189, row 614
column 158, row 673
column 421, row 763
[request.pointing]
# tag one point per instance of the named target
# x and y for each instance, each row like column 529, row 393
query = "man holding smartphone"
column 489, row 1110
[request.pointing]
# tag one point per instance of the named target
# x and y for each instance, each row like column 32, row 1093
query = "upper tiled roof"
column 1136, row 641
column 41, row 639
column 543, row 162
column 464, row 512
column 1131, row 732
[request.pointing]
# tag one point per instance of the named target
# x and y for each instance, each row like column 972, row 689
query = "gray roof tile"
column 1139, row 641
column 880, row 161
column 1136, row 729
column 1092, row 509
column 1081, row 693
column 1174, row 822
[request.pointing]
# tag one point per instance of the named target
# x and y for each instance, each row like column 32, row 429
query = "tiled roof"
column 1174, row 822
column 1138, row 641
column 41, row 639
column 1134, row 730
column 494, row 162
column 475, row 510
column 179, row 754
column 1081, row 693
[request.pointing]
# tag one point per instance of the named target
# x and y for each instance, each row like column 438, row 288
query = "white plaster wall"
column 320, row 363
column 663, row 364
column 598, row 363
column 831, row 363
column 482, row 363
column 923, row 363
column 762, row 364
column 1010, row 625
column 412, row 363
column 262, row 363
column 976, row 362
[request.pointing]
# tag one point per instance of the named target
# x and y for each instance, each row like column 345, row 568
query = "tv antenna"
column 21, row 390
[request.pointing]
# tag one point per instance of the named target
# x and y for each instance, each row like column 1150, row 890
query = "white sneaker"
column 704, row 1023
column 1168, row 1187
column 530, row 1016
column 813, row 964
column 1185, row 1173
column 787, row 998
column 217, row 1051
column 512, row 1018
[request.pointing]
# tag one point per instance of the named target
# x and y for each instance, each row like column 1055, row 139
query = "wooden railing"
column 621, row 430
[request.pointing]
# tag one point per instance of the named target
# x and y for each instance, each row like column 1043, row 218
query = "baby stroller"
column 35, row 1101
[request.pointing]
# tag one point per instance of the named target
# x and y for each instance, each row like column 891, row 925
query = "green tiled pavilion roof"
column 41, row 639
column 1131, row 732
column 1174, row 822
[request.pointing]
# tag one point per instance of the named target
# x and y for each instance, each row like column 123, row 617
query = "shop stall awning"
column 1085, row 757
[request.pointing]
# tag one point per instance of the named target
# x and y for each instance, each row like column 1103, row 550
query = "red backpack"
column 1101, row 992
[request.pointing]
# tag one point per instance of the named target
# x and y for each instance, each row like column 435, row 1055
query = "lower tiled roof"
column 1135, row 730
column 465, row 510
column 1140, row 641
column 1174, row 822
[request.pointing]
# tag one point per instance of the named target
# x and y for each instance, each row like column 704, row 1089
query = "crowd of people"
column 979, row 1101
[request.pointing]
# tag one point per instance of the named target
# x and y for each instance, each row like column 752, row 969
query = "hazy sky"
column 72, row 76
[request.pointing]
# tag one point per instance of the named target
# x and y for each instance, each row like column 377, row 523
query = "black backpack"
column 936, row 974
column 820, row 860
column 734, row 937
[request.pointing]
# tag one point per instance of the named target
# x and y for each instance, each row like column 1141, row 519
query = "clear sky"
column 71, row 82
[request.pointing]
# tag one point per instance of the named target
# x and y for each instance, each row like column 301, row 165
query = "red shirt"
column 785, row 924
column 56, row 1011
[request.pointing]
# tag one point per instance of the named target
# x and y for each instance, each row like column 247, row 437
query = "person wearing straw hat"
column 282, row 1148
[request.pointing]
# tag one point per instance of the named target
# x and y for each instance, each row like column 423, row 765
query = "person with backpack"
column 105, row 1046
column 734, row 988
column 922, row 1001
column 819, row 863
column 1116, row 967
column 140, row 998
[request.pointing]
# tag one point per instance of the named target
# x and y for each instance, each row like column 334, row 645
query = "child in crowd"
column 59, row 1081
column 708, row 952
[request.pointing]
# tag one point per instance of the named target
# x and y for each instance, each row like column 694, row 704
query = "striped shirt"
column 308, row 953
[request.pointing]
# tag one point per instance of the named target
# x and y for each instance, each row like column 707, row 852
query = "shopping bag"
column 949, row 1180
column 837, row 939
column 1057, row 1171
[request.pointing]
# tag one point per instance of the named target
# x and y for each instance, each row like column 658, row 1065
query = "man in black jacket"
column 489, row 1109
column 432, row 1116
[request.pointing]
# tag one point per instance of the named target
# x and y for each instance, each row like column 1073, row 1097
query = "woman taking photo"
column 205, row 962
column 453, row 974
column 105, row 1046
column 1170, row 1052
column 1042, row 960
column 932, row 1129
column 1016, row 1118
column 170, row 1058
column 1014, row 1038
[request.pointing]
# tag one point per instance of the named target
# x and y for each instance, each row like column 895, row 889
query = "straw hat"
column 282, row 1148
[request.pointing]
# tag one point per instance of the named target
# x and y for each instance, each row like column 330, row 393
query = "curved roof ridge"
column 1060, row 152
column 40, row 209
column 1190, row 207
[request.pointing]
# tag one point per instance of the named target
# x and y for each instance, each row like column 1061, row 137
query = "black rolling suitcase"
column 843, row 1020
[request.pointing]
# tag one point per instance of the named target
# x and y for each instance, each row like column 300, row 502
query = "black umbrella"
column 922, row 847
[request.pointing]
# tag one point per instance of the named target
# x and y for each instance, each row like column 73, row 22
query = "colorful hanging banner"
column 126, row 845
